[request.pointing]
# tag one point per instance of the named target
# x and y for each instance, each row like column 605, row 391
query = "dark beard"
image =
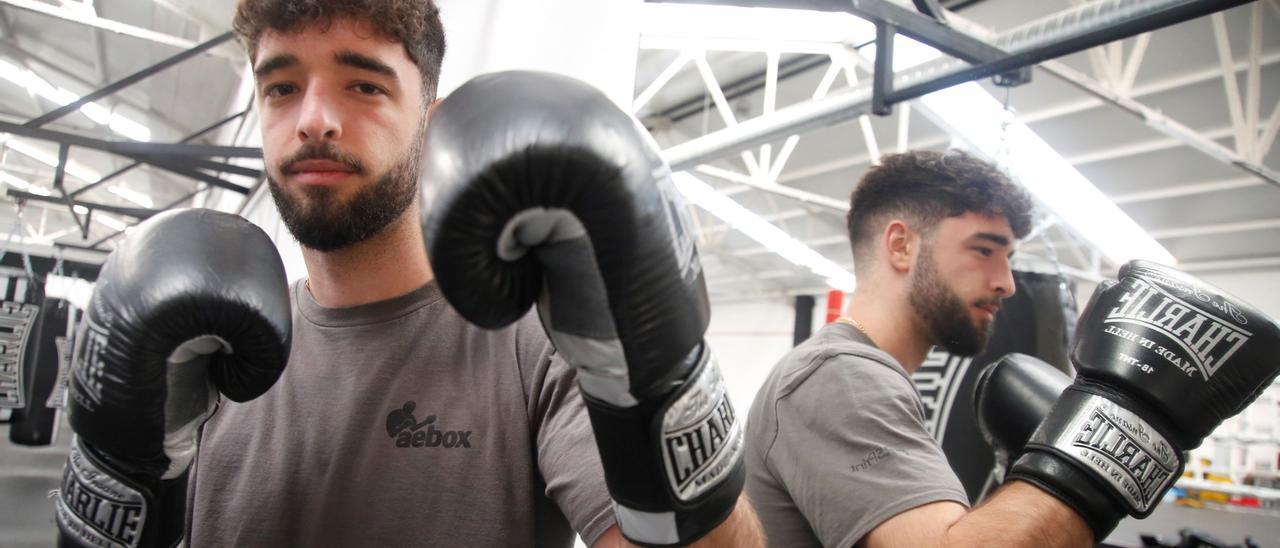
column 943, row 312
column 320, row 222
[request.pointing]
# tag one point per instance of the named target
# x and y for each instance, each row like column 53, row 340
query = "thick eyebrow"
column 274, row 63
column 364, row 62
column 998, row 239
column 992, row 237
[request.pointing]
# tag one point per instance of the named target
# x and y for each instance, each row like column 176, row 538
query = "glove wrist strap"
column 1122, row 449
column 1101, row 457
column 98, row 506
column 674, row 466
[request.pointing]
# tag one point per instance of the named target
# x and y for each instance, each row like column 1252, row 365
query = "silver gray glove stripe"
column 647, row 527
column 1122, row 449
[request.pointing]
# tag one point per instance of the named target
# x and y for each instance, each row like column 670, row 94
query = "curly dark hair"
column 414, row 23
column 924, row 187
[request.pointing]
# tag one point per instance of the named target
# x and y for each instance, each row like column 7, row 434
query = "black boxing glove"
column 1162, row 358
column 541, row 189
column 1011, row 398
column 194, row 302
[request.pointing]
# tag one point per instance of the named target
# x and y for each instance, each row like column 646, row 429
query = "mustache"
column 322, row 151
column 994, row 301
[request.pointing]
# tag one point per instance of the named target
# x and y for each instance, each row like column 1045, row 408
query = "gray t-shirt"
column 397, row 423
column 836, row 444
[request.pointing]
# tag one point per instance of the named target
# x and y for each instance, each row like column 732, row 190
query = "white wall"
column 749, row 337
column 591, row 40
column 1248, row 443
column 1261, row 288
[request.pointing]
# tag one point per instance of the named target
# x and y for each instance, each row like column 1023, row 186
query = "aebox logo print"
column 408, row 432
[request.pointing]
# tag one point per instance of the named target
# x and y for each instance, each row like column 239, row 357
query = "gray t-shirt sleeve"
column 567, row 455
column 852, row 450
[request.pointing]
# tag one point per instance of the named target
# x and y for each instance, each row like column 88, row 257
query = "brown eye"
column 368, row 89
column 280, row 90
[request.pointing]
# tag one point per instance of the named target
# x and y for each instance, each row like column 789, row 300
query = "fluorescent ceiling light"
column 99, row 114
column 698, row 22
column 80, row 209
column 129, row 128
column 760, row 230
column 131, row 195
column 907, row 53
column 110, row 222
column 976, row 116
column 20, row 184
column 74, row 169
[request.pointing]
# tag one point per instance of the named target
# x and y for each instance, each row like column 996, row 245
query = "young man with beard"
column 837, row 451
column 395, row 422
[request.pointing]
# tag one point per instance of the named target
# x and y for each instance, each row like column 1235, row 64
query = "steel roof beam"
column 1027, row 43
column 110, row 25
column 127, row 81
column 135, row 212
column 130, row 167
column 126, row 148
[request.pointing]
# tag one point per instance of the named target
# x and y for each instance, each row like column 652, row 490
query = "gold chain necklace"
column 852, row 322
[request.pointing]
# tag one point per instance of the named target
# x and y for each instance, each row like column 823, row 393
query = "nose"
column 1002, row 283
column 319, row 117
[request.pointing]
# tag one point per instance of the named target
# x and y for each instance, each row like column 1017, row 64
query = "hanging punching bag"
column 37, row 423
column 19, row 307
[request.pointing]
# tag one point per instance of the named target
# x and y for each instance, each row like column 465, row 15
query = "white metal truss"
column 764, row 170
column 1141, row 90
column 1075, row 107
column 1186, row 190
column 1116, row 85
column 850, row 104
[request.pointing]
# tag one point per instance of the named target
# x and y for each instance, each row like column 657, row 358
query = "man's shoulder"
column 831, row 353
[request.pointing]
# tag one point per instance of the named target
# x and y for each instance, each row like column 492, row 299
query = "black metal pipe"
column 126, row 81
column 135, row 212
column 932, row 9
column 882, row 80
column 198, row 163
column 127, row 148
column 1073, row 44
column 117, row 233
column 130, row 167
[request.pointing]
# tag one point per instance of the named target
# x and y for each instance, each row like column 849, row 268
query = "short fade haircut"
column 414, row 23
column 923, row 187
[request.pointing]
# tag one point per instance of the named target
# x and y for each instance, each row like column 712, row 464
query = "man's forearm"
column 1020, row 514
column 741, row 528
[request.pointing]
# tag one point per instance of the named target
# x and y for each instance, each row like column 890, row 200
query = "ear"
column 901, row 244
column 431, row 109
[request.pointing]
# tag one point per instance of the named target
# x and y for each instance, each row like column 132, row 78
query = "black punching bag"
column 19, row 306
column 1038, row 320
column 46, row 353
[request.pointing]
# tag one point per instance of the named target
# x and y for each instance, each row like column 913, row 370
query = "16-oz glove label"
column 1121, row 448
column 96, row 508
column 702, row 436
